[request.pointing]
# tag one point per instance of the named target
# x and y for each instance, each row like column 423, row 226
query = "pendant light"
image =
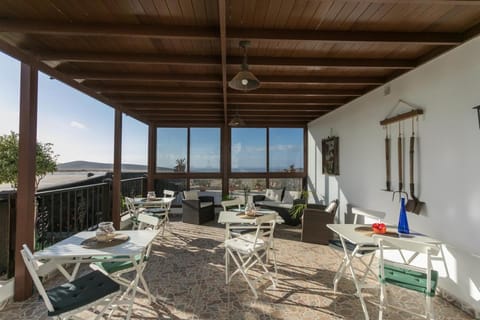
column 244, row 80
column 236, row 121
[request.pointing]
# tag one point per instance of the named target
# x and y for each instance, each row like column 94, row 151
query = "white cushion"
column 273, row 194
column 205, row 204
column 332, row 206
column 289, row 196
column 191, row 195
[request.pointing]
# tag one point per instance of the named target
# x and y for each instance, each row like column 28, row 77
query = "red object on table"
column 380, row 228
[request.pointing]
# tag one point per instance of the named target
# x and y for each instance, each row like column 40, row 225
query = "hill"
column 97, row 166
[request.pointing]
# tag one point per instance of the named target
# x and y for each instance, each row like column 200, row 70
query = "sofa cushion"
column 273, row 194
column 191, row 195
column 332, row 206
column 290, row 196
column 205, row 204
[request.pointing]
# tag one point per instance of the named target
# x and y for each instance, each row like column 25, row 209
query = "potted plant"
column 299, row 205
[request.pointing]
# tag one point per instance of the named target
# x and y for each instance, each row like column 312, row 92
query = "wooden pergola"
column 168, row 63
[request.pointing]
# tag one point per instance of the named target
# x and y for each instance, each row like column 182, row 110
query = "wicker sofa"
column 197, row 209
column 314, row 223
column 281, row 201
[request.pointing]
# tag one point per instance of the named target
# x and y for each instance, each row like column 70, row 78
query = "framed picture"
column 330, row 163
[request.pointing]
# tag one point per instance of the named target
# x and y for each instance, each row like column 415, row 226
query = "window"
column 249, row 150
column 177, row 185
column 292, row 184
column 286, row 150
column 171, row 149
column 204, row 150
column 208, row 187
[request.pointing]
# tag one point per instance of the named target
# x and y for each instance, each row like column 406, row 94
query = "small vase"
column 402, row 219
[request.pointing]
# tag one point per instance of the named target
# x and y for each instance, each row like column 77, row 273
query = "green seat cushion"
column 409, row 279
column 115, row 266
column 80, row 292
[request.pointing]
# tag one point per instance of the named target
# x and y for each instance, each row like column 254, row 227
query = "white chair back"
column 131, row 207
column 387, row 243
column 231, row 203
column 32, row 267
column 168, row 193
column 148, row 221
column 368, row 213
column 265, row 227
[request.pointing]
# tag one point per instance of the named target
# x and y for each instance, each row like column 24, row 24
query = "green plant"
column 46, row 160
column 299, row 205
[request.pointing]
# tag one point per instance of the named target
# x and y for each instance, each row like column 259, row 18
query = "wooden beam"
column 206, row 33
column 170, row 91
column 144, row 58
column 160, row 101
column 331, row 36
column 156, row 90
column 238, row 101
column 152, row 147
column 25, row 215
column 148, row 77
column 108, row 29
column 223, row 52
column 117, row 170
column 195, row 78
column 141, row 109
column 403, row 116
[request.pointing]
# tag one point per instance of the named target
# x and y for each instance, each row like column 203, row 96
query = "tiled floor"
column 186, row 273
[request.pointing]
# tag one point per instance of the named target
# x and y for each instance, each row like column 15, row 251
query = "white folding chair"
column 248, row 250
column 348, row 251
column 116, row 267
column 63, row 301
column 403, row 274
column 132, row 211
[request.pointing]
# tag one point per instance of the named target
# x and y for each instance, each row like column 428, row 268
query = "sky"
column 82, row 128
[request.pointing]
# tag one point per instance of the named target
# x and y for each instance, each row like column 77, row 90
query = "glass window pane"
column 249, row 150
column 286, row 149
column 171, row 149
column 205, row 150
column 177, row 185
column 291, row 184
column 208, row 187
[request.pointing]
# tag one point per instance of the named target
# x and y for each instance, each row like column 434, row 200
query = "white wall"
column 448, row 165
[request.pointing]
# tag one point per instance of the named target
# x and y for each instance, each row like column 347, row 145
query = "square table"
column 364, row 241
column 71, row 250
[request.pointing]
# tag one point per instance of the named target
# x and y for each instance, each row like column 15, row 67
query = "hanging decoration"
column 413, row 204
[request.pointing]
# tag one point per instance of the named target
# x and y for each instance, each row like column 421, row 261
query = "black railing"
column 61, row 213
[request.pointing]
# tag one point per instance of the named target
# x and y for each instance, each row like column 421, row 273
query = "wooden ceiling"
column 168, row 62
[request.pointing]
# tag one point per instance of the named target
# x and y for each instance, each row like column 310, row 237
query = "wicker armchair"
column 198, row 211
column 314, row 223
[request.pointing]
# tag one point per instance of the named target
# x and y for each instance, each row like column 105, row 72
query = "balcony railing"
column 61, row 213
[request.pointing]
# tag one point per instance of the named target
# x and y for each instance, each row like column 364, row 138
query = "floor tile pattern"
column 186, row 274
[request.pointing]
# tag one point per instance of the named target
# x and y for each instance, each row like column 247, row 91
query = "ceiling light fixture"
column 244, row 80
column 236, row 121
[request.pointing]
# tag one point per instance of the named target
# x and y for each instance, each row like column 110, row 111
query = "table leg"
column 355, row 281
column 227, row 258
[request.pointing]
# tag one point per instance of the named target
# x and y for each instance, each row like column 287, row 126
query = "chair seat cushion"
column 337, row 244
column 80, row 292
column 116, row 266
column 409, row 279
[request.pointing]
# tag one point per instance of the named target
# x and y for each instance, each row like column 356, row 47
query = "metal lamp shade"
column 245, row 81
column 236, row 122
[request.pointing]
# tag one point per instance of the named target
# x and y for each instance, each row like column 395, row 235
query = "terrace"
column 326, row 68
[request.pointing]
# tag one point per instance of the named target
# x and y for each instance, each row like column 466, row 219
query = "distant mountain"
column 97, row 166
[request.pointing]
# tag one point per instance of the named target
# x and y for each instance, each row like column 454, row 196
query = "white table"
column 157, row 202
column 233, row 220
column 70, row 250
column 362, row 241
